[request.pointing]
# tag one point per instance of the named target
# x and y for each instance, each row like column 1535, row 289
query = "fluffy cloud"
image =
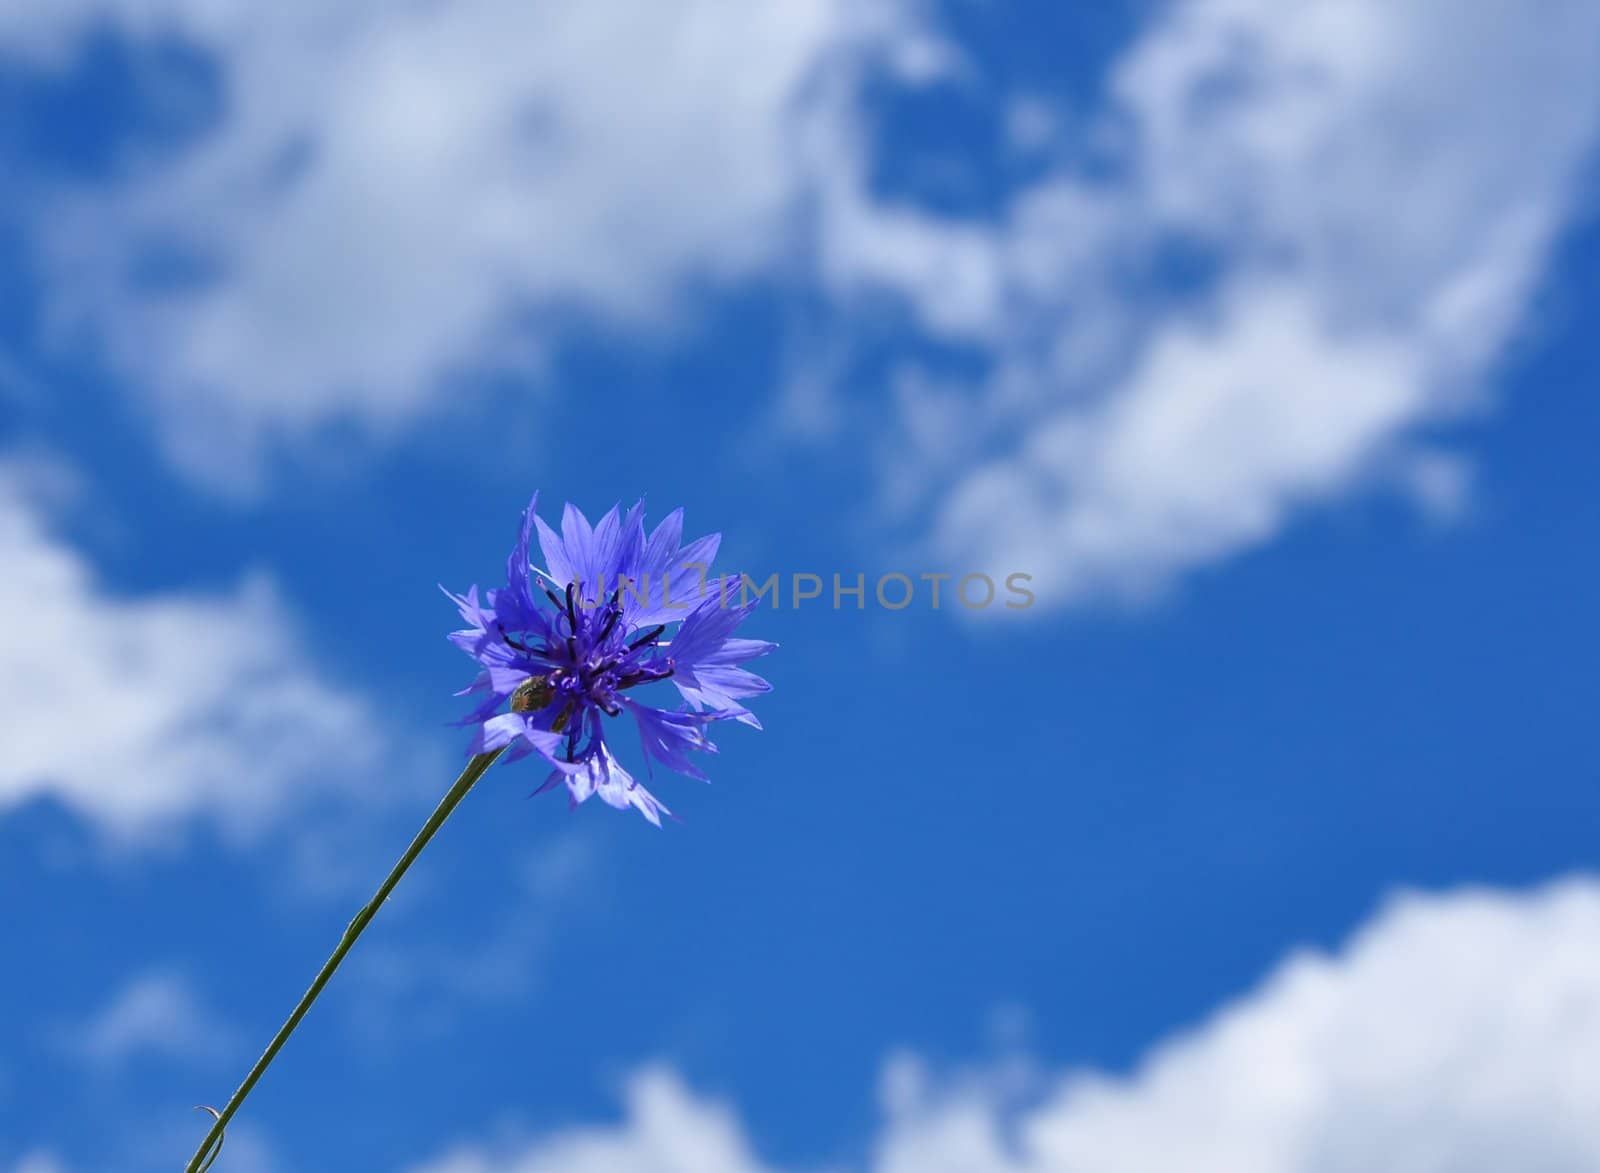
column 1323, row 223
column 1221, row 428
column 1291, row 236
column 667, row 1130
column 135, row 712
column 1456, row 1033
column 1453, row 1034
column 395, row 193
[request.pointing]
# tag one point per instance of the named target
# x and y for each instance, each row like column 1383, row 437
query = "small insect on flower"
column 553, row 673
column 533, row 694
column 538, row 692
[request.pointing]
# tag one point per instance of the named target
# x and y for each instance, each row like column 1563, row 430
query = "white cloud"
column 395, row 191
column 136, row 712
column 1453, row 1034
column 667, row 1129
column 1362, row 195
column 1365, row 195
column 155, row 1014
column 1221, row 428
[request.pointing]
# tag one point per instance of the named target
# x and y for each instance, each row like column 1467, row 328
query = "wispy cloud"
column 138, row 712
column 156, row 1014
column 39, row 1162
column 1455, row 1032
column 429, row 982
column 1287, row 239
column 1293, row 235
column 395, row 194
column 15, row 383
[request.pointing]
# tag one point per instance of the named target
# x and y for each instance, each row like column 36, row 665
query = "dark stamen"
column 648, row 637
column 645, row 676
column 518, row 644
column 572, row 613
column 551, row 595
column 611, row 622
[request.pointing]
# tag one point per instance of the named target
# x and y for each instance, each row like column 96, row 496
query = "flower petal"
column 519, row 568
column 578, row 537
column 498, row 732
column 668, row 737
column 554, row 550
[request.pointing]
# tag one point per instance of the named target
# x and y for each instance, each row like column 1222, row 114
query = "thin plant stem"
column 207, row 1152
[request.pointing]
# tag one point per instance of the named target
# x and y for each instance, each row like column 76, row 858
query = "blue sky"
column 1261, row 335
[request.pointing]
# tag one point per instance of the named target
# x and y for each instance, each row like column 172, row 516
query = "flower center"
column 589, row 665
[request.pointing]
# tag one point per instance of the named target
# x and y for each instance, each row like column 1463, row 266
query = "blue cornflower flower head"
column 563, row 648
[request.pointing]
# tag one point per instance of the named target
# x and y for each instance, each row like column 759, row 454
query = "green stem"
column 469, row 777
